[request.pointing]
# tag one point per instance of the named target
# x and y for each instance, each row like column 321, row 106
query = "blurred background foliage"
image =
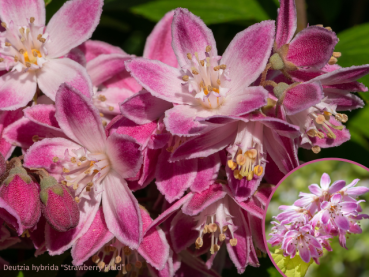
column 341, row 262
column 127, row 23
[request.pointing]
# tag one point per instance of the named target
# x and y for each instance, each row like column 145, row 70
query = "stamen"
column 35, row 138
column 216, row 68
column 316, row 149
column 8, row 44
column 332, row 61
column 208, row 48
column 95, row 259
column 233, row 242
column 28, row 64
column 189, row 56
column 199, row 243
column 185, row 78
column 240, row 159
column 194, row 71
column 111, row 108
column 138, row 264
column 258, row 170
column 337, row 54
column 223, row 66
column 1, row 60
column 55, row 159
column 222, row 237
column 3, row 24
column 31, row 20
column 320, row 119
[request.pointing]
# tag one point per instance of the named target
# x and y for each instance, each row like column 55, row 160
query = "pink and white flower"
column 95, row 166
column 34, row 52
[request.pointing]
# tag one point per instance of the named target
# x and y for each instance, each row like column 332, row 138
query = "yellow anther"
column 206, row 229
column 218, row 82
column 212, row 227
column 3, row 24
column 32, row 19
column 1, row 60
column 101, row 265
column 222, row 237
column 236, row 174
column 320, row 135
column 341, row 117
column 199, row 243
column 214, row 248
column 208, row 48
column 225, row 228
column 189, row 56
column 35, row 138
column 127, row 251
column 240, row 159
column 316, row 149
column 258, row 170
column 21, row 51
column 77, row 199
column 202, row 62
column 102, row 98
column 138, row 264
column 185, row 78
column 337, row 54
column 55, row 159
column 73, row 159
column 252, row 153
column 320, row 119
column 8, row 44
column 311, row 133
column 82, row 159
column 194, row 71
column 111, row 108
column 66, row 170
column 95, row 259
column 233, row 242
column 328, row 28
column 16, row 58
column 118, row 259
column 216, row 68
column 28, row 64
column 332, row 60
column 104, row 123
column 223, row 66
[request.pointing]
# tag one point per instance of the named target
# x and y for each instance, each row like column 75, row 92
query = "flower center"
column 116, row 256
column 82, row 170
column 23, row 46
column 205, row 78
column 218, row 224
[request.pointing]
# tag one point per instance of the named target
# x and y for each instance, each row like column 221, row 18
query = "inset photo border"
column 318, row 209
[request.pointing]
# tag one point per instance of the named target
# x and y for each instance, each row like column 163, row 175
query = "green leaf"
column 20, row 274
column 354, row 46
column 295, row 267
column 47, row 2
column 209, row 10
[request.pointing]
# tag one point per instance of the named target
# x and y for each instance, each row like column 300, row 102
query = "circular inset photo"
column 317, row 221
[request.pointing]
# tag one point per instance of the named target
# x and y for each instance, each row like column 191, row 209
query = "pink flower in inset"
column 302, row 240
column 95, row 166
column 34, row 51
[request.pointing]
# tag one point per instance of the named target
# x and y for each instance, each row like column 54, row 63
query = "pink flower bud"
column 58, row 205
column 22, row 194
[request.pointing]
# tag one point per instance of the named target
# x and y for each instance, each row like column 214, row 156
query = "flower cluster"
column 196, row 131
column 328, row 211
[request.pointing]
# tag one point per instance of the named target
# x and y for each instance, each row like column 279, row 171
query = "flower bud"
column 22, row 194
column 58, row 205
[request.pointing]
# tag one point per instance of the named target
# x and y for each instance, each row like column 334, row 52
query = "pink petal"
column 314, row 188
column 180, row 121
column 239, row 254
column 7, row 118
column 124, row 153
column 96, row 237
column 20, row 11
column 160, row 80
column 71, row 25
column 253, row 47
column 58, row 71
column 203, row 199
column 142, row 133
column 325, row 181
column 182, row 232
column 21, row 133
column 343, row 75
column 121, row 211
column 285, row 158
column 95, row 48
column 345, row 100
column 77, row 55
column 357, row 191
column 304, row 252
column 256, row 226
column 302, row 97
column 207, row 172
column 336, row 198
column 173, row 179
column 206, row 144
column 41, row 154
column 143, row 108
column 43, row 115
column 59, row 242
column 190, row 35
column 342, row 222
column 348, row 207
column 79, row 119
column 286, row 22
column 325, row 217
column 159, row 43
column 336, row 186
column 312, row 47
column 251, row 208
column 10, row 216
column 105, row 66
column 241, row 102
column 154, row 247
column 167, row 271
column 16, row 89
column 38, row 235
